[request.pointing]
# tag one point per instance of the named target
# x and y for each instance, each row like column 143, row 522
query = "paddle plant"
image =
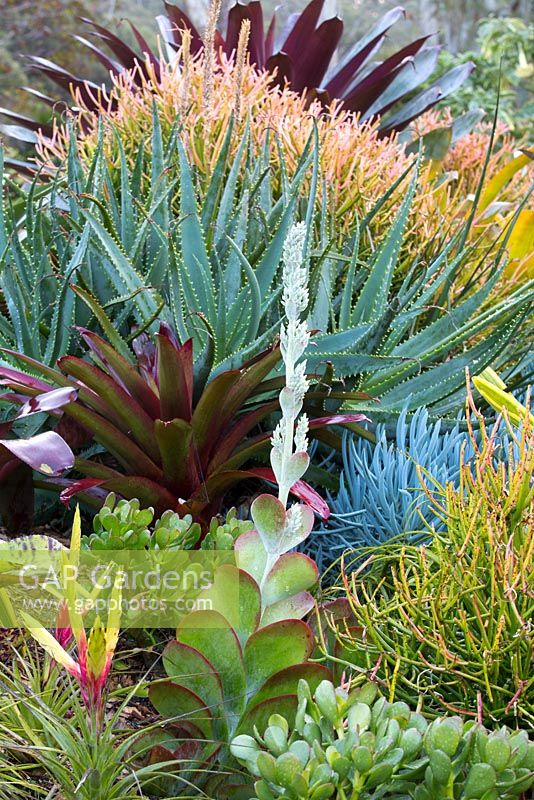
column 230, row 668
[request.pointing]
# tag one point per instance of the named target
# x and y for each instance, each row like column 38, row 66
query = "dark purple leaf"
column 88, row 90
column 127, row 57
column 360, row 52
column 26, row 122
column 77, row 487
column 297, row 41
column 269, row 39
column 281, row 64
column 311, row 64
column 421, row 103
column 16, row 497
column 365, row 93
column 415, row 70
column 111, row 65
column 47, row 452
column 180, row 21
column 237, row 14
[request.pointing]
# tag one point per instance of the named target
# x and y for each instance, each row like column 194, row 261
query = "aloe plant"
column 353, row 744
column 178, row 443
column 301, row 58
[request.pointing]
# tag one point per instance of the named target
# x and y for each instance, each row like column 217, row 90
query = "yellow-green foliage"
column 453, row 620
column 357, row 166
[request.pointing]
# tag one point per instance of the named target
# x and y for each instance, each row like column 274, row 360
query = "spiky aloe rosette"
column 230, row 668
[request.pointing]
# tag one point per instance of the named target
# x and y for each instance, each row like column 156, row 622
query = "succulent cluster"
column 223, row 535
column 359, row 746
column 124, row 525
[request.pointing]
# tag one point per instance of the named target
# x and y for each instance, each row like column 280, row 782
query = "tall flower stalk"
column 281, row 528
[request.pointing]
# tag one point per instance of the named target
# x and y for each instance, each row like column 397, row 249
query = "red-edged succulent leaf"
column 258, row 716
column 175, row 701
column 210, row 634
column 236, row 595
column 276, row 647
column 292, row 573
column 297, row 606
column 251, row 554
column 286, row 682
column 187, row 666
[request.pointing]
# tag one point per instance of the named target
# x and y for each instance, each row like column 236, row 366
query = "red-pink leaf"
column 79, row 486
column 300, row 489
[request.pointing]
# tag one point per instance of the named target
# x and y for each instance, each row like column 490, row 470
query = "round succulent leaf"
column 245, row 748
column 295, row 607
column 296, row 467
column 299, row 532
column 211, row 634
column 258, row 716
column 236, row 595
column 188, row 667
column 292, row 573
column 269, row 517
column 287, row 680
column 251, row 555
column 274, row 648
column 174, row 701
